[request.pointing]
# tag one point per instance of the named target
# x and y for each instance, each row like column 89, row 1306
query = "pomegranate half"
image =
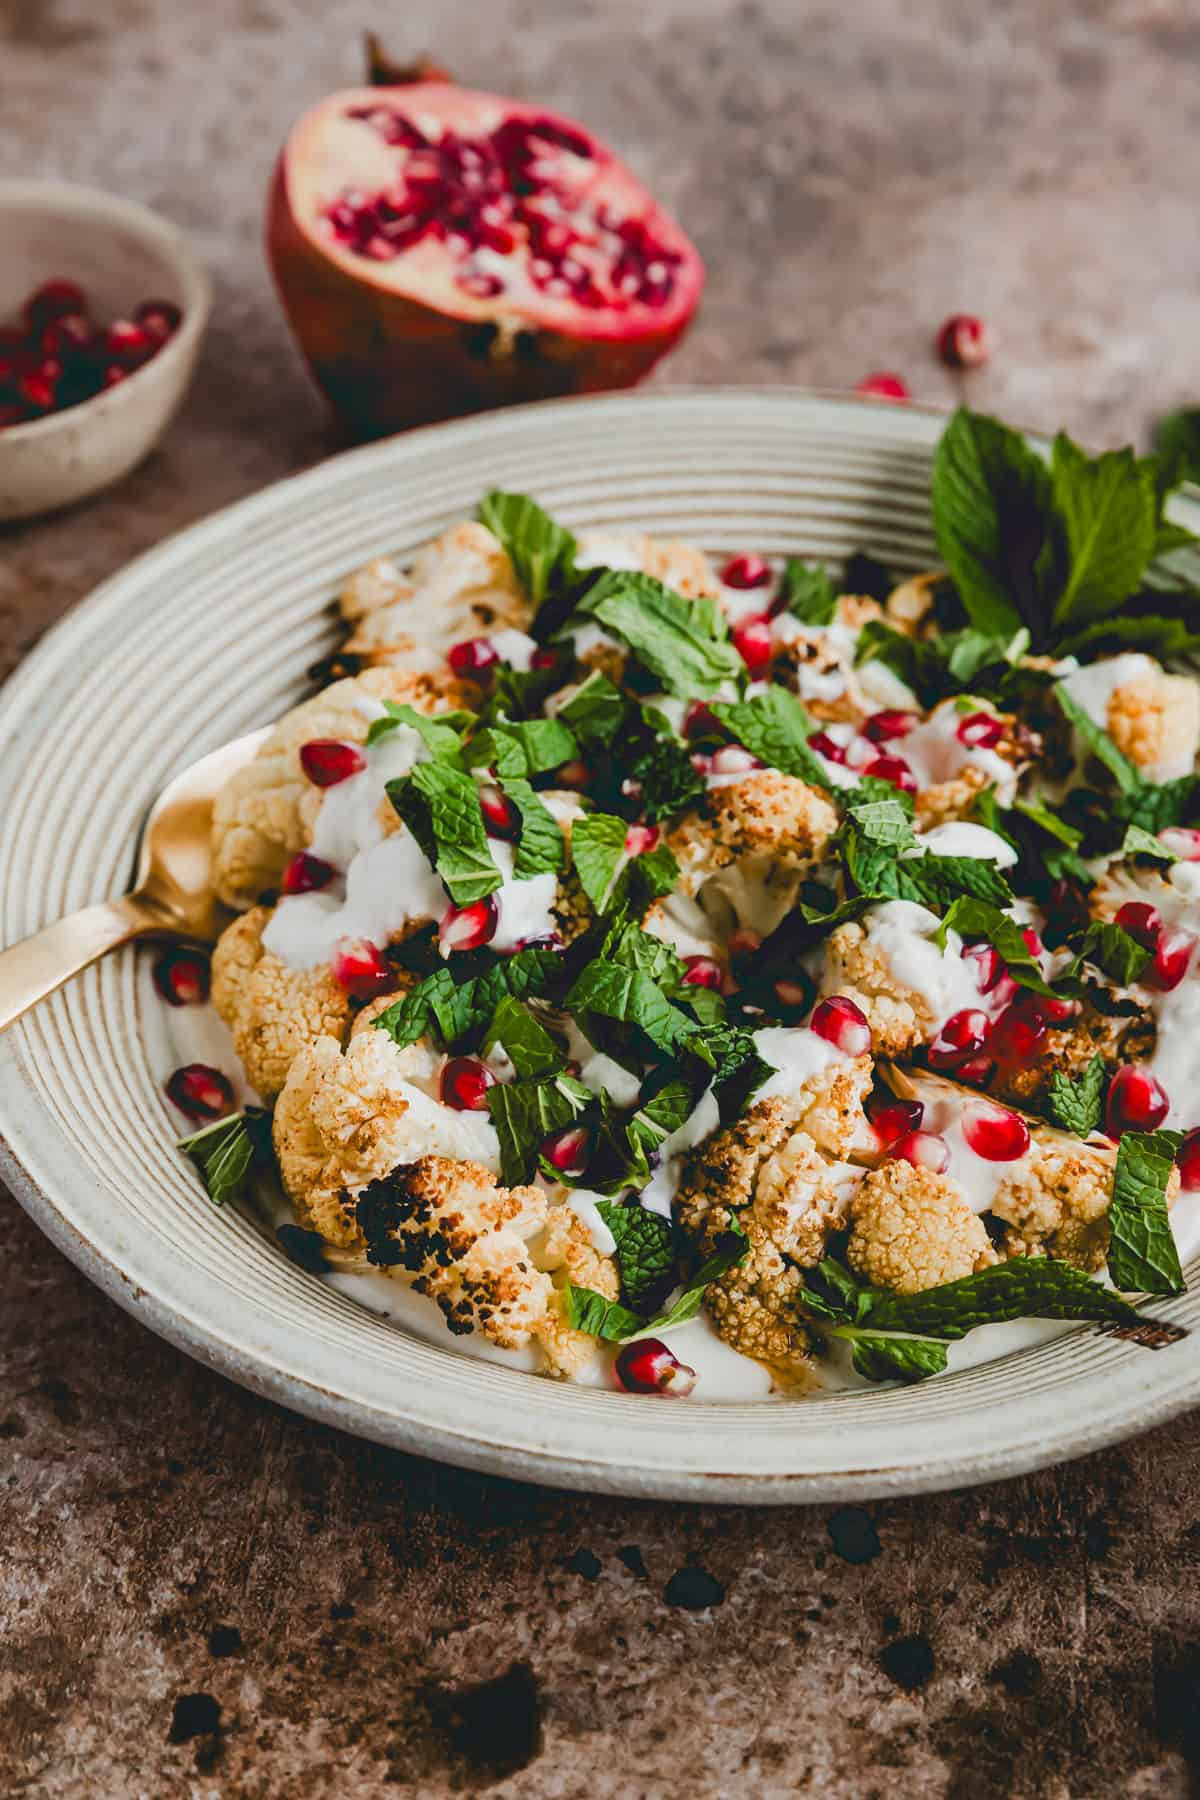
column 439, row 251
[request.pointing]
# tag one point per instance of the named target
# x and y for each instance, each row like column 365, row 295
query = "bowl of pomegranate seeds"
column 102, row 308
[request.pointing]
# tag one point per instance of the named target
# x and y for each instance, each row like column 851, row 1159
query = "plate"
column 209, row 636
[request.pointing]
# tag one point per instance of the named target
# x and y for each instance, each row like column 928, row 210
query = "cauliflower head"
column 912, row 1229
column 462, row 585
column 273, row 1011
column 746, row 851
column 1154, row 719
column 859, row 965
column 1055, row 1203
column 1068, row 1049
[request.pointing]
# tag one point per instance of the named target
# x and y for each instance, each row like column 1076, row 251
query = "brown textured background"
column 201, row 1595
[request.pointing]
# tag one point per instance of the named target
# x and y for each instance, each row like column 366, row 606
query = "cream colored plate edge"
column 210, row 635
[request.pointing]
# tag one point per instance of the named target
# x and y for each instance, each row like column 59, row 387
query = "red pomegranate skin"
column 386, row 361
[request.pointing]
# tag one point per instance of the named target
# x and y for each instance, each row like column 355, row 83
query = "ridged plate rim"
column 765, row 468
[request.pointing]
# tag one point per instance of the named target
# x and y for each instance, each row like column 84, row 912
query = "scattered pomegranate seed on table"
column 182, row 977
column 964, row 342
column 649, row 1367
column 201, row 1092
column 882, row 384
column 58, row 356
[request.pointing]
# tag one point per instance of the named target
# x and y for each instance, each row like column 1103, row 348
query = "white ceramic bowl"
column 120, row 253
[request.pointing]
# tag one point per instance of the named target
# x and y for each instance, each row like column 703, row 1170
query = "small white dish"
column 120, row 253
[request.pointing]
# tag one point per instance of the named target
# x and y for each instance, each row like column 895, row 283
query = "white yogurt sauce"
column 796, row 1054
column 978, row 1177
column 606, row 550
column 583, row 1203
column 959, row 838
column 903, row 932
column 348, row 820
column 514, row 647
column 659, row 1193
column 387, row 887
column 525, row 906
column 934, row 754
column 597, row 1071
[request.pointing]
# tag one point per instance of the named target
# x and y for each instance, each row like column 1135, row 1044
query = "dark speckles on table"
column 202, row 1596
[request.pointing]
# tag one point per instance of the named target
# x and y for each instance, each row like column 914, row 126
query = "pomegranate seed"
column 128, row 344
column 924, row 1149
column 201, row 1092
column 1005, row 991
column 1182, row 841
column 500, row 817
column 574, row 774
column 795, row 991
column 1032, row 941
column 360, row 968
column 746, row 572
column 731, row 759
column 1054, row 1010
column 38, row 389
column 828, row 747
column 544, row 940
column 842, row 1024
column 640, row 839
column 648, row 1367
column 752, row 641
column 882, row 727
column 113, row 375
column 895, row 1119
column 326, row 761
column 472, row 656
column 52, row 300
column 464, row 1084
column 1018, row 1031
column 698, row 721
column 306, row 874
column 963, row 342
column 1136, row 1101
column 995, row 1133
column 703, row 971
column 989, row 966
column 895, row 770
column 543, row 659
column 744, row 942
column 883, row 385
column 1172, row 954
column 65, row 336
column 1189, row 1162
column 977, row 1070
column 182, row 977
column 980, row 731
column 701, row 763
column 469, row 927
column 569, row 1150
column 1142, row 921
column 160, row 318
column 962, row 1036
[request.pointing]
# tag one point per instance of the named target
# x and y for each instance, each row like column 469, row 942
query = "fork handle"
column 37, row 965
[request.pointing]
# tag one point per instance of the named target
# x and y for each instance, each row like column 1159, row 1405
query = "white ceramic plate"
column 210, row 635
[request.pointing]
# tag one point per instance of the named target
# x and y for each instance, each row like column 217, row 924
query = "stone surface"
column 201, row 1595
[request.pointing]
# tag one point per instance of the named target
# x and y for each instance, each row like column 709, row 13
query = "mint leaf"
column 541, row 551
column 525, row 1041
column 598, row 854
column 645, row 1252
column 522, row 746
column 775, row 727
column 1139, row 842
column 881, row 1356
column 1178, row 435
column 663, row 1112
column 1110, row 948
column 991, row 497
column 607, row 1319
column 441, row 734
column 1108, row 509
column 806, row 591
column 440, row 806
column 227, row 1151
column 524, row 1114
column 1126, row 775
column 541, row 846
column 1039, row 813
column 882, row 820
column 1165, row 636
column 589, row 1311
column 974, row 919
column 1142, row 1255
column 595, row 712
column 632, row 998
column 1025, row 1287
column 685, row 643
column 458, row 1011
column 1078, row 1105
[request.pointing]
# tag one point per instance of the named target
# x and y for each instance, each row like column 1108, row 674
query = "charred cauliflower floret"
column 1119, row 1037
column 265, row 813
column 463, row 585
column 272, row 1011
column 1055, row 1203
column 745, row 853
column 1154, row 719
column 912, row 1230
column 346, row 1118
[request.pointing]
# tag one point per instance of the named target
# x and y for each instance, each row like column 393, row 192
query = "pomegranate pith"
column 649, row 1367
column 491, row 252
column 201, row 1092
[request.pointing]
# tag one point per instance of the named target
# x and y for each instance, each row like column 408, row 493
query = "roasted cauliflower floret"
column 1154, row 719
column 858, row 965
column 910, row 607
column 272, row 1011
column 912, row 1230
column 1068, row 1049
column 678, row 566
column 1055, row 1203
column 454, row 1235
column 463, row 585
column 265, row 813
column 566, row 1252
column 745, row 853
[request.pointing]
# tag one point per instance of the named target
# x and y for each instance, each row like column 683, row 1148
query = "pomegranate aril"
column 68, row 336
column 703, row 971
column 752, row 641
column 963, row 1035
column 53, row 300
column 640, row 839
column 38, row 390
column 158, row 318
column 1136, row 1101
column 980, row 731
column 895, row 770
column 1188, row 1161
column 648, row 1367
column 327, row 761
column 994, row 1133
column 1172, row 954
column 924, row 1149
column 884, row 727
column 182, row 977
column 464, row 1084
column 882, row 384
column 1142, row 921
column 731, row 759
column 963, row 342
column 306, row 874
column 977, row 1070
column 701, row 763
column 894, row 1119
column 828, row 747
column 469, row 927
column 543, row 940
column 472, row 656
column 569, row 1150
column 113, row 375
column 1054, row 1009
column 744, row 942
column 129, row 345
column 746, row 572
column 988, row 963
column 698, row 721
column 201, row 1092
column 841, row 1023
column 1182, row 841
column 501, row 818
column 1032, row 941
column 359, row 966
column 1018, row 1031
column 544, row 659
